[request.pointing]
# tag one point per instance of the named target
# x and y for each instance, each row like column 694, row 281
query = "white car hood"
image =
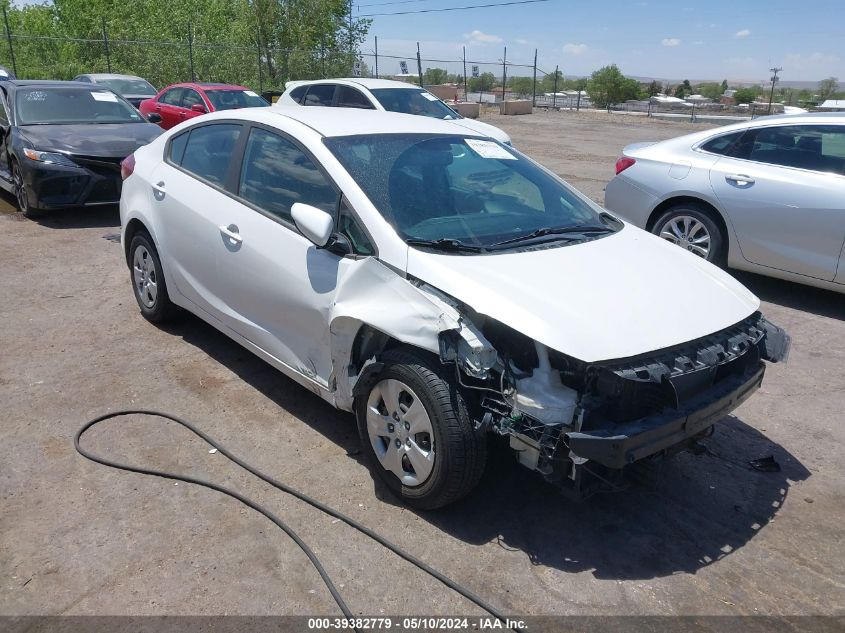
column 484, row 129
column 615, row 297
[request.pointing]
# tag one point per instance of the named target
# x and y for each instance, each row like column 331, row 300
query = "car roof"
column 50, row 83
column 356, row 81
column 204, row 86
column 110, row 76
column 326, row 122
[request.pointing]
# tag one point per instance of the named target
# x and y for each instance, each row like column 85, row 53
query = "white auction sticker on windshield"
column 104, row 96
column 489, row 149
column 250, row 93
column 429, row 96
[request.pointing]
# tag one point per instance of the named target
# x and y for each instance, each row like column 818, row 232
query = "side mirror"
column 154, row 117
column 198, row 107
column 313, row 223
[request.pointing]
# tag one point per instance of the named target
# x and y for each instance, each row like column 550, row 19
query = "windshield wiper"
column 445, row 244
column 580, row 229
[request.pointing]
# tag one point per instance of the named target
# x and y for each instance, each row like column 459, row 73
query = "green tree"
column 483, row 83
column 724, row 86
column 745, row 95
column 293, row 38
column 653, row 89
column 709, row 90
column 608, row 86
column 684, row 89
column 521, row 85
column 435, row 76
column 828, row 87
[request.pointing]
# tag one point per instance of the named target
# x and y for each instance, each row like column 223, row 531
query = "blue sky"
column 710, row 39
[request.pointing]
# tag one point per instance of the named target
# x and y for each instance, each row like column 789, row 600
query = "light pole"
column 775, row 72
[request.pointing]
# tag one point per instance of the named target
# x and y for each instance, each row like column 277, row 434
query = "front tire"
column 417, row 433
column 22, row 195
column 148, row 281
column 692, row 228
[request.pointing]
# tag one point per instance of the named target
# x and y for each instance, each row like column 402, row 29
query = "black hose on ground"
column 451, row 584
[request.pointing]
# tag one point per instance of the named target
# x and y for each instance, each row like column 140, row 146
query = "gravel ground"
column 703, row 535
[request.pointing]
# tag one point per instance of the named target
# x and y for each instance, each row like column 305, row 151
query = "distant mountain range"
column 783, row 83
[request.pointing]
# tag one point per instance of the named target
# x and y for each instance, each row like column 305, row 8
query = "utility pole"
column 554, row 94
column 419, row 65
column 504, row 72
column 534, row 85
column 465, row 73
column 775, row 72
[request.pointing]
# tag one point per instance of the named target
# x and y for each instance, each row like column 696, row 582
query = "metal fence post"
column 419, row 65
column 692, row 115
column 260, row 73
column 534, row 85
column 376, row 56
column 465, row 73
column 191, row 50
column 554, row 94
column 9, row 38
column 504, row 72
column 106, row 45
column 578, row 103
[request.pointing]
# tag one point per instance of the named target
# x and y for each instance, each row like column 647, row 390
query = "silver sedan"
column 767, row 196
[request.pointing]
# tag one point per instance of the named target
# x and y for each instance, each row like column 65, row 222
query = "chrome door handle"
column 158, row 190
column 740, row 179
column 232, row 233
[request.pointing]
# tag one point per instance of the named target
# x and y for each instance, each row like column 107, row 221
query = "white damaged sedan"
column 442, row 286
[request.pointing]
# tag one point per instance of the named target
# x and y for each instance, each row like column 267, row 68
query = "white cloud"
column 481, row 38
column 575, row 49
column 741, row 34
column 698, row 42
column 670, row 41
column 818, row 63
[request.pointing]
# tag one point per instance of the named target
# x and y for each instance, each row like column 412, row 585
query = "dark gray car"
column 133, row 89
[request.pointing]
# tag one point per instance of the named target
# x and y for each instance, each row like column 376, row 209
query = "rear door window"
column 208, row 151
column 297, row 93
column 348, row 97
column 276, row 173
column 815, row 147
column 319, row 95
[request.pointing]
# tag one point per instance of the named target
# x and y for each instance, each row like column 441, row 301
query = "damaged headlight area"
column 583, row 425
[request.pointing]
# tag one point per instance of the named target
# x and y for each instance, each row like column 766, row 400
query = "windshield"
column 233, row 99
column 135, row 87
column 475, row 191
column 410, row 101
column 63, row 106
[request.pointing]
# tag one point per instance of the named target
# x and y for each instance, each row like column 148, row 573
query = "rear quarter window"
column 722, row 145
column 297, row 93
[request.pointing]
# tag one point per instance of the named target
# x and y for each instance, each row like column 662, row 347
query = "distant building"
column 833, row 105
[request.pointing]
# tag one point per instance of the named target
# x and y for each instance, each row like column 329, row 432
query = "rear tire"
column 692, row 227
column 147, row 278
column 412, row 410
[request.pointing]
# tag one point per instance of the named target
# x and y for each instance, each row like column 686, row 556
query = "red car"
column 180, row 102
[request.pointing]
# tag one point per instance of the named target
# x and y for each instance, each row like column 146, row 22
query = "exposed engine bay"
column 582, row 424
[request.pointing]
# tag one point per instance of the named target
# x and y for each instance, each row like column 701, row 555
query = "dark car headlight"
column 51, row 158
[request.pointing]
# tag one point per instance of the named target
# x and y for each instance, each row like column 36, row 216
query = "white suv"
column 380, row 94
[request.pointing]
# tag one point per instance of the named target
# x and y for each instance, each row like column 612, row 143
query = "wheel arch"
column 704, row 206
column 133, row 227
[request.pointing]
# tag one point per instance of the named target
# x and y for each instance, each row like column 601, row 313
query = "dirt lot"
column 704, row 535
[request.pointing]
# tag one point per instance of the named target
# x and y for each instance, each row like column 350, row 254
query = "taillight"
column 623, row 163
column 127, row 166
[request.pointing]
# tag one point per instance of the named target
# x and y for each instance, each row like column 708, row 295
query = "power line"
column 475, row 6
column 384, row 4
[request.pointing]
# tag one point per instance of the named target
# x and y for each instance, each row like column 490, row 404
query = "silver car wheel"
column 144, row 272
column 689, row 233
column 400, row 431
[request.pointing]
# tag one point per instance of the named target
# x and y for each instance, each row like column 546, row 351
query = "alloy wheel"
column 20, row 189
column 144, row 274
column 688, row 233
column 400, row 431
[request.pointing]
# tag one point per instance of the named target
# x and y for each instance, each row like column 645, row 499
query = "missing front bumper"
column 623, row 444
